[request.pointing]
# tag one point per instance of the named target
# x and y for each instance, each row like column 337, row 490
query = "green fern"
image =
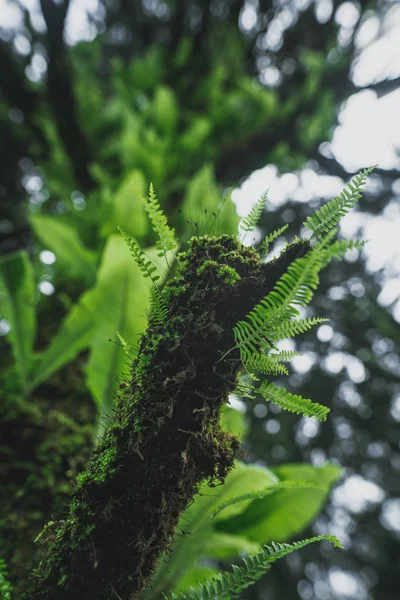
column 125, row 346
column 250, row 221
column 158, row 307
column 292, row 402
column 229, row 585
column 262, row 363
column 329, row 215
column 284, row 355
column 295, row 287
column 166, row 235
column 265, row 244
column 145, row 264
column 339, row 248
column 289, row 329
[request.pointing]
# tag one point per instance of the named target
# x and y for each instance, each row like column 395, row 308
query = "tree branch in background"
column 61, row 95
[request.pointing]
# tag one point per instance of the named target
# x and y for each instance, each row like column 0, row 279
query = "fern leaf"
column 294, row 287
column 230, row 585
column 329, row 215
column 292, row 402
column 250, row 222
column 265, row 244
column 262, row 363
column 244, row 391
column 289, row 329
column 284, row 355
column 166, row 235
column 147, row 268
column 125, row 346
column 158, row 307
column 339, row 248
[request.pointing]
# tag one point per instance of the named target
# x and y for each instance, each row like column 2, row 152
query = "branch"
column 382, row 88
column 165, row 437
column 61, row 96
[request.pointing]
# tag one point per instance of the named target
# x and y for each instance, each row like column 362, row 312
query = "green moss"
column 45, row 442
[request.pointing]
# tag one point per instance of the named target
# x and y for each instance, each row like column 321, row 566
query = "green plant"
column 5, row 586
column 166, row 427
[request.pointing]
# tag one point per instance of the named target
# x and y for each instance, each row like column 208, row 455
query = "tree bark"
column 165, row 437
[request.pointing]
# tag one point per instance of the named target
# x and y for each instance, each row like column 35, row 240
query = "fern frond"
column 166, row 235
column 230, row 585
column 244, row 390
column 125, row 346
column 265, row 244
column 284, row 355
column 295, row 287
column 329, row 215
column 158, row 307
column 289, row 329
column 262, row 363
column 292, row 402
column 250, row 221
column 339, row 248
column 147, row 268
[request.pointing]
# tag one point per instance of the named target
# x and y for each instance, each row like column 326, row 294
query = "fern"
column 125, row 346
column 329, row 215
column 292, row 402
column 250, row 222
column 294, row 287
column 284, row 355
column 262, row 363
column 265, row 244
column 166, row 235
column 158, row 307
column 292, row 328
column 229, row 585
column 147, row 268
column 339, row 248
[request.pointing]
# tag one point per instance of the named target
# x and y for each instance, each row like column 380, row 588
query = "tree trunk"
column 165, row 437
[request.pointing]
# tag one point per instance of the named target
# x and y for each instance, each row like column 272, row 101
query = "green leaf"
column 73, row 258
column 73, row 336
column 204, row 540
column 17, row 306
column 126, row 208
column 165, row 110
column 203, row 194
column 286, row 513
column 121, row 297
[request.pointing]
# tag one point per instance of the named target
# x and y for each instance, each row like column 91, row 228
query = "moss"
column 165, row 437
column 45, row 442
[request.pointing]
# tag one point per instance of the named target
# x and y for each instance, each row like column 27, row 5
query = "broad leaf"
column 61, row 238
column 73, row 336
column 286, row 513
column 120, row 300
column 17, row 306
column 126, row 208
column 196, row 521
column 217, row 524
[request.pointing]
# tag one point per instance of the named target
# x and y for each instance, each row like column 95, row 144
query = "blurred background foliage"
column 193, row 96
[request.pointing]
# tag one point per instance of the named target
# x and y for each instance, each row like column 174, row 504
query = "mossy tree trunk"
column 165, row 436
